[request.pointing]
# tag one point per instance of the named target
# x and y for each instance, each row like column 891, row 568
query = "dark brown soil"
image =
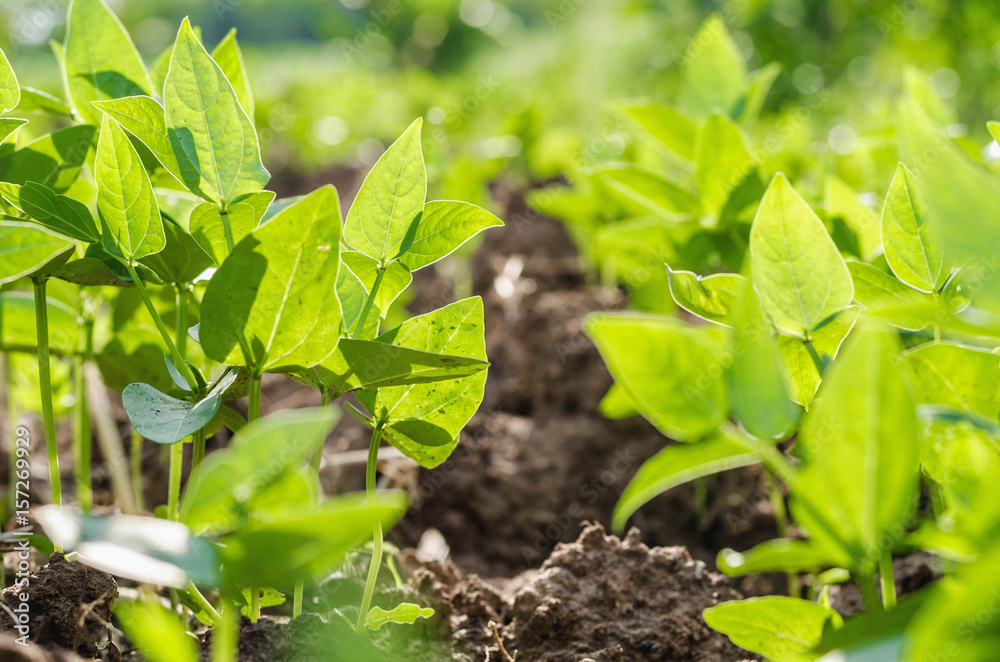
column 69, row 605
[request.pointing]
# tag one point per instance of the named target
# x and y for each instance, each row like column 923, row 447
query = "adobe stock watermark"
column 20, row 611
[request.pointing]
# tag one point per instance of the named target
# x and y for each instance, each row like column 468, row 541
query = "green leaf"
column 9, row 127
column 713, row 298
column 406, row 613
column 352, row 294
column 157, row 633
column 244, row 216
column 301, row 547
column 228, row 480
column 723, row 162
column 882, row 293
column 910, row 239
column 952, row 375
column 100, row 60
column 125, row 201
column 28, row 249
column 842, row 203
column 424, row 420
column 59, row 213
column 182, row 260
column 19, row 333
column 53, row 160
column 10, row 92
column 37, row 101
column 649, row 190
column 678, row 464
column 865, row 419
column 229, row 57
column 395, row 279
column 757, row 391
column 714, row 74
column 143, row 117
column 617, row 403
column 675, row 131
column 212, row 137
column 801, row 373
column 778, row 555
column 166, row 420
column 271, row 305
column 672, row 372
column 442, row 228
column 801, row 277
column 777, row 627
column 267, row 597
column 391, row 197
column 758, row 85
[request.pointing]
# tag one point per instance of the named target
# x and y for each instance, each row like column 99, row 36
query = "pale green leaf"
column 53, row 160
column 205, row 223
column 405, row 613
column 617, row 403
column 714, row 73
column 395, row 279
column 389, row 200
column 28, row 249
column 9, row 127
column 778, row 555
column 167, row 420
column 442, row 228
column 37, row 101
column 843, row 202
column 801, row 373
column 157, row 633
column 777, row 627
column 352, row 295
column 758, row 85
column 182, row 260
column 952, row 375
column 675, row 131
column 143, row 117
column 723, row 162
column 801, row 277
column 713, row 298
column 229, row 57
column 910, row 239
column 59, row 213
column 649, row 191
column 19, row 333
column 882, row 293
column 10, row 92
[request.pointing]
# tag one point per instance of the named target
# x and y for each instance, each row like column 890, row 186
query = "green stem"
column 175, row 356
column 180, row 330
column 227, row 228
column 8, row 392
column 83, row 442
column 297, row 599
column 198, row 449
column 45, row 382
column 781, row 523
column 135, row 457
column 203, row 602
column 225, row 636
column 376, row 561
column 888, row 581
column 253, row 413
column 867, row 585
column 174, row 481
column 379, row 273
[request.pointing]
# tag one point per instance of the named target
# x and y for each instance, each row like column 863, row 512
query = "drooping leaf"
column 272, row 303
column 678, row 464
column 18, row 331
column 166, row 420
column 212, row 137
column 144, row 118
column 714, row 74
column 100, row 60
column 389, row 200
column 244, row 216
column 801, row 277
column 405, row 613
column 777, row 555
column 53, row 160
column 37, row 101
column 672, row 372
column 130, row 217
column 713, row 298
column 649, row 191
column 442, row 228
column 157, row 634
column 395, row 279
column 952, row 375
column 229, row 57
column 59, row 213
column 910, row 239
column 802, row 375
column 424, row 420
column 10, row 92
column 723, row 162
column 29, row 249
column 777, row 627
column 675, row 131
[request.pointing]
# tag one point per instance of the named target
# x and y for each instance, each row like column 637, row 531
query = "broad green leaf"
column 714, row 74
column 19, row 333
column 801, row 373
column 182, row 260
column 672, row 372
column 366, row 364
column 778, row 555
column 843, row 202
column 228, row 480
column 649, row 191
column 442, row 228
column 713, row 298
column 678, row 464
column 272, row 304
column 952, row 375
column 406, row 613
column 758, row 85
column 100, row 61
column 392, row 195
column 723, row 162
column 675, row 131
column 801, row 277
column 97, row 267
column 212, row 137
column 244, row 216
column 910, row 239
column 143, row 117
column 352, row 294
column 267, row 597
column 617, row 403
column 229, row 57
column 28, row 249
column 10, row 92
column 59, row 213
column 8, row 130
column 881, row 293
column 874, row 635
column 53, row 160
column 424, row 420
column 395, row 279
column 302, row 546
column 37, row 101
column 129, row 214
column 757, row 392
column 166, row 420
column 777, row 627
column 157, row 633
column 865, row 418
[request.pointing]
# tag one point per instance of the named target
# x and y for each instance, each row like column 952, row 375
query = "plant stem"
column 360, row 325
column 180, row 326
column 227, row 228
column 8, row 392
column 781, row 523
column 175, row 356
column 203, row 602
column 174, row 481
column 867, row 585
column 135, row 457
column 45, row 382
column 888, row 581
column 253, row 413
column 376, row 561
column 297, row 599
column 198, row 449
column 82, row 435
column 225, row 636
